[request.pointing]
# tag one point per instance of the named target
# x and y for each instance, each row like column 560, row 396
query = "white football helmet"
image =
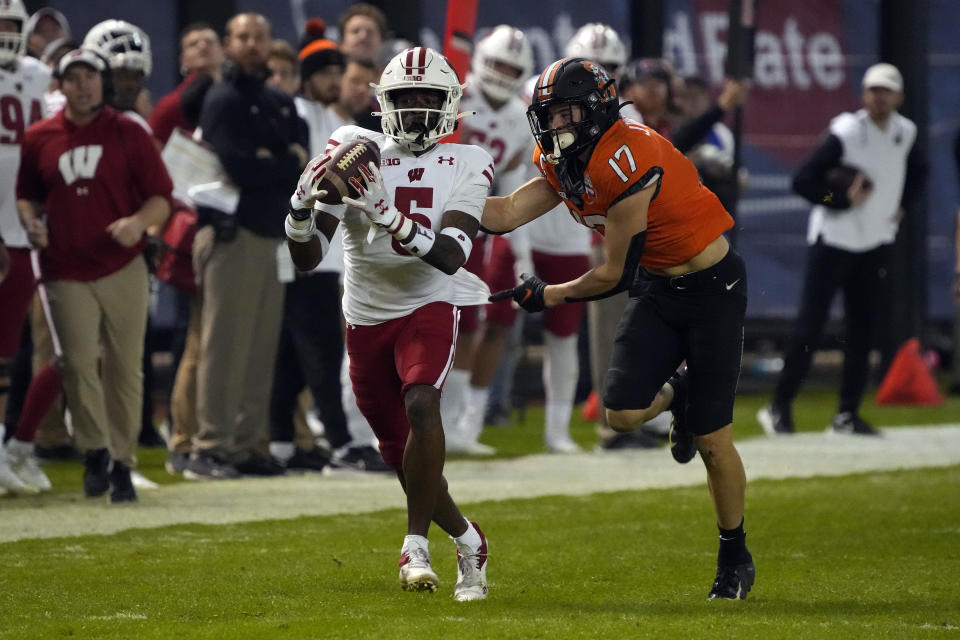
column 505, row 45
column 419, row 68
column 599, row 42
column 12, row 43
column 124, row 45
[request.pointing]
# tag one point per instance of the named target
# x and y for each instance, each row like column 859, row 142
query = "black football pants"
column 864, row 280
column 310, row 354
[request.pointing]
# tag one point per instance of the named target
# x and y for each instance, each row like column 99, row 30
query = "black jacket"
column 239, row 116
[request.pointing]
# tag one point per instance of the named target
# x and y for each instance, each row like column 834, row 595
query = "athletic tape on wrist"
column 461, row 238
column 421, row 241
column 297, row 234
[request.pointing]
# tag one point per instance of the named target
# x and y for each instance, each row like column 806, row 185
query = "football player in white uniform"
column 405, row 238
column 126, row 48
column 23, row 82
column 501, row 62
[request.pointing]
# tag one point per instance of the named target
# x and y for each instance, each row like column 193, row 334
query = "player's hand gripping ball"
column 327, row 177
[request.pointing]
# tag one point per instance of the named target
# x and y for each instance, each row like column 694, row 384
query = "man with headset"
column 86, row 205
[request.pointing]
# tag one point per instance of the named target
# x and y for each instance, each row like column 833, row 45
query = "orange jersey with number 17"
column 683, row 217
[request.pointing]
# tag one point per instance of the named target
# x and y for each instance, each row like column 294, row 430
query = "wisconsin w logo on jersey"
column 415, row 174
column 80, row 162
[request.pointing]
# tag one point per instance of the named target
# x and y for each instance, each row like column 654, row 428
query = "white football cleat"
column 10, row 480
column 469, row 448
column 141, row 481
column 24, row 464
column 416, row 574
column 563, row 445
column 472, row 570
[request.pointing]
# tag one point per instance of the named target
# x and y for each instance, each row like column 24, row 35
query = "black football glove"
column 528, row 294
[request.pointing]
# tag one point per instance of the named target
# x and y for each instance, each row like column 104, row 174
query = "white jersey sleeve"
column 21, row 93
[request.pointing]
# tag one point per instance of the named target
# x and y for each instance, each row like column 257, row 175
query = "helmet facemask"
column 574, row 104
column 503, row 60
column 418, row 127
column 13, row 44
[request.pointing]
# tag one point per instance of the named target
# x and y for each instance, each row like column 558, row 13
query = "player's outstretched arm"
column 505, row 213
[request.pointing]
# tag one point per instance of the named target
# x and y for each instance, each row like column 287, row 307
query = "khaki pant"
column 241, row 313
column 183, row 398
column 109, row 313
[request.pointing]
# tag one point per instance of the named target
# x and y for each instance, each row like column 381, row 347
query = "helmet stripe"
column 422, row 60
column 545, row 83
column 408, row 61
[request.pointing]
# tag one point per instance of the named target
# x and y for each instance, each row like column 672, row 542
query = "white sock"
column 470, row 537
column 471, row 419
column 558, row 421
column 282, row 451
column 560, row 370
column 452, row 399
column 412, row 542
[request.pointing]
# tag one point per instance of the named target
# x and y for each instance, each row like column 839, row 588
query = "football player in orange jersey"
column 663, row 243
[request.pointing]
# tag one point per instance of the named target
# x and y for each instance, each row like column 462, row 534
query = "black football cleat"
column 733, row 582
column 121, row 484
column 682, row 445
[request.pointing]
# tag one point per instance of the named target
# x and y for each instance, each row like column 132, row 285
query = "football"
column 345, row 162
column 840, row 178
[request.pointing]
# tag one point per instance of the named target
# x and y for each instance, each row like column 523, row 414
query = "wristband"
column 420, row 243
column 299, row 234
column 461, row 238
column 401, row 226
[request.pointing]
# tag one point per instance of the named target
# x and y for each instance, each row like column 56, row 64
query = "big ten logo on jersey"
column 389, row 162
column 13, row 122
column 80, row 163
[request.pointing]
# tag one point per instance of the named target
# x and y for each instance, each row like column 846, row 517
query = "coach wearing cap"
column 99, row 180
column 858, row 180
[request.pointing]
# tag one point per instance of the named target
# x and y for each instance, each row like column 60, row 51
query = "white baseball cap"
column 883, row 75
column 76, row 56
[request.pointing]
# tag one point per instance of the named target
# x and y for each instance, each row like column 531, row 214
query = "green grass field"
column 861, row 556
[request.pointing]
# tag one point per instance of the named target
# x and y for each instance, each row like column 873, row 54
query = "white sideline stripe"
column 221, row 502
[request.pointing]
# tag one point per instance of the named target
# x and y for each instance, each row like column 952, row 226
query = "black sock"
column 733, row 547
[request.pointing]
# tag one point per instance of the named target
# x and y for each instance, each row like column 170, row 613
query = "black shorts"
column 697, row 317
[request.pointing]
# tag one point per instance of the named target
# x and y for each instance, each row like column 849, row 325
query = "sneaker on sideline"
column 26, row 466
column 416, row 574
column 121, row 484
column 472, row 570
column 362, row 458
column 776, row 421
column 176, row 462
column 260, row 466
column 472, row 448
column 733, row 583
column 9, row 480
column 303, row 460
column 204, row 466
column 141, row 481
column 849, row 423
column 96, row 472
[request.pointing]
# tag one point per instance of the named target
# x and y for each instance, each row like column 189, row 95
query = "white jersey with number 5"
column 21, row 104
column 381, row 280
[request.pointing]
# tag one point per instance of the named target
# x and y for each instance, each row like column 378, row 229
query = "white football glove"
column 307, row 193
column 375, row 202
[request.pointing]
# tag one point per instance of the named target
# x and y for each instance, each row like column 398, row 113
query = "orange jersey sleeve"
column 683, row 217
